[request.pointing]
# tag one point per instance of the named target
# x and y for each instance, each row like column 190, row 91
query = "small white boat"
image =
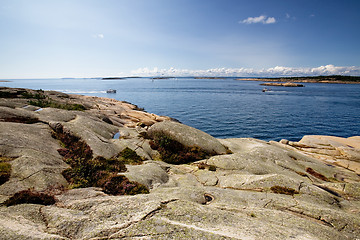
column 266, row 89
column 111, row 91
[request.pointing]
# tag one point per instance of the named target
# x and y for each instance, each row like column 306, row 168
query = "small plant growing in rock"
column 212, row 168
column 129, row 156
column 86, row 171
column 283, row 190
column 39, row 99
column 120, row 185
column 202, row 165
column 5, row 171
column 38, row 95
column 171, row 151
column 28, row 196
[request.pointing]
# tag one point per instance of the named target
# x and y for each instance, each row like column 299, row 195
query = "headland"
column 81, row 167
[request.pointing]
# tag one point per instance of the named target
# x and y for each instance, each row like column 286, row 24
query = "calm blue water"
column 228, row 108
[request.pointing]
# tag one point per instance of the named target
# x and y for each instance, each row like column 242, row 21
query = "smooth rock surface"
column 187, row 136
column 234, row 202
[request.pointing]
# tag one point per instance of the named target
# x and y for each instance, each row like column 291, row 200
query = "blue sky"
column 96, row 38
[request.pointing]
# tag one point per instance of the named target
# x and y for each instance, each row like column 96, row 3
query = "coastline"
column 298, row 80
column 183, row 182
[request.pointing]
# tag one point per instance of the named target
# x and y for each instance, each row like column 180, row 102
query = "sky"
column 244, row 38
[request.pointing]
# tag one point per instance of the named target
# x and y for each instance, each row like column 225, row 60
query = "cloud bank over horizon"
column 277, row 71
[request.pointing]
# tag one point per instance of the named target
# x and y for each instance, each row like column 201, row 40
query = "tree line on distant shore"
column 331, row 78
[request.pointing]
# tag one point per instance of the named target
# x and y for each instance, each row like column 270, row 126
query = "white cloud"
column 277, row 71
column 100, row 35
column 270, row 20
column 261, row 19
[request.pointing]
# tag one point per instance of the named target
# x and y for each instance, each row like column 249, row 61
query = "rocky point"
column 80, row 167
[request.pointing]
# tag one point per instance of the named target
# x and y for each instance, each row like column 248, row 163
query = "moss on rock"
column 5, row 171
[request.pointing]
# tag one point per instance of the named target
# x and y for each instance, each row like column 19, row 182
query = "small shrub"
column 171, row 151
column 91, row 172
column 87, row 171
column 38, row 95
column 129, row 156
column 28, row 196
column 283, row 190
column 212, row 168
column 44, row 101
column 202, row 165
column 74, row 146
column 144, row 135
column 120, row 185
column 316, row 174
column 5, row 171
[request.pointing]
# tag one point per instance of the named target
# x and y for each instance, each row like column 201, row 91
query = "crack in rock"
column 217, row 232
column 137, row 219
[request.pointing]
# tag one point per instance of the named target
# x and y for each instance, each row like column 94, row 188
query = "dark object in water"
column 111, row 91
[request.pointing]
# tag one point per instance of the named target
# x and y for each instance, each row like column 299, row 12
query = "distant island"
column 313, row 79
column 162, row 77
column 209, row 77
column 4, row 81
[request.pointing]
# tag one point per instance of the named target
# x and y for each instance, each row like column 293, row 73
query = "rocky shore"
column 80, row 167
column 336, row 79
column 286, row 84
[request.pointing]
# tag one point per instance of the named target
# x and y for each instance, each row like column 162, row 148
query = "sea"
column 229, row 108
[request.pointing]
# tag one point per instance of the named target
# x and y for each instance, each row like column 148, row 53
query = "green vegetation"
column 39, row 99
column 5, row 94
column 38, row 95
column 212, row 168
column 283, row 190
column 28, row 196
column 171, row 151
column 129, row 156
column 86, row 171
column 5, row 171
column 120, row 185
column 43, row 103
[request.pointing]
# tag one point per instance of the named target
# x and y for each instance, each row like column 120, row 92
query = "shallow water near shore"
column 227, row 108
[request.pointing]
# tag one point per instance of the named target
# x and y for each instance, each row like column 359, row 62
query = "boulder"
column 187, row 136
column 149, row 174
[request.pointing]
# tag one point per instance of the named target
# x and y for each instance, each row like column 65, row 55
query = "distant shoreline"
column 320, row 79
column 4, row 81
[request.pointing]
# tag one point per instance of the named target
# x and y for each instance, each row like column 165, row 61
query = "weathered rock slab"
column 187, row 136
